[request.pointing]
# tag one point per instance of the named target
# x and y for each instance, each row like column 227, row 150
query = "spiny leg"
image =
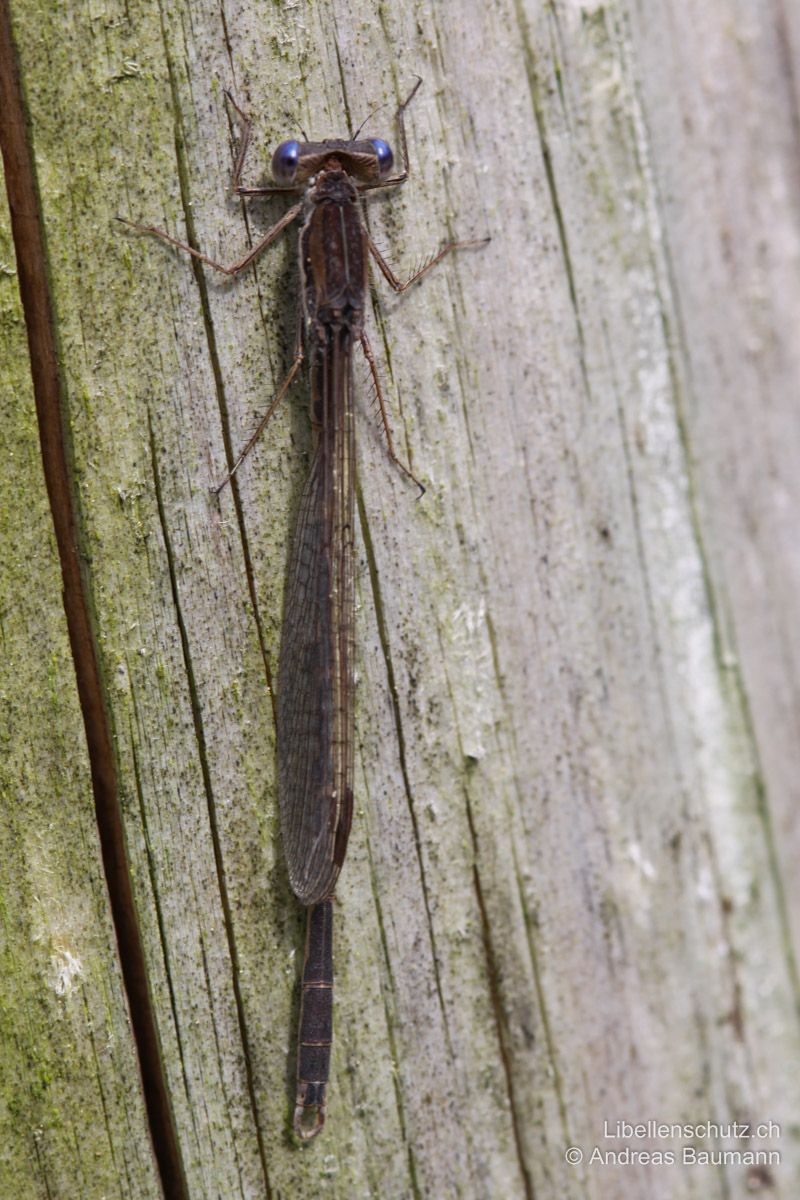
column 401, row 128
column 365, row 346
column 247, row 125
column 401, row 125
column 399, row 286
column 299, row 354
column 234, row 269
column 236, row 178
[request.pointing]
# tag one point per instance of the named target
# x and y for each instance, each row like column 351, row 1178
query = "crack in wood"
column 32, row 264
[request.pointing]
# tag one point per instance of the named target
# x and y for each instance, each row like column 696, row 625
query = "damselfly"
column 316, row 678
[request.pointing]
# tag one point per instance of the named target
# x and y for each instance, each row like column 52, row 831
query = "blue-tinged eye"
column 284, row 162
column 383, row 153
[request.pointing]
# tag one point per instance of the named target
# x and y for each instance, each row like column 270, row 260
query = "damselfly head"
column 368, row 161
column 383, row 153
column 284, row 162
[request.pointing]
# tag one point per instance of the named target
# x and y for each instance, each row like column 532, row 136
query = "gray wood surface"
column 72, row 1118
column 571, row 893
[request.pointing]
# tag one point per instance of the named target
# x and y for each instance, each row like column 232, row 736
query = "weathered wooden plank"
column 562, row 903
column 72, row 1120
column 732, row 244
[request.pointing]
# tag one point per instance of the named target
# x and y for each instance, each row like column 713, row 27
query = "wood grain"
column 570, row 896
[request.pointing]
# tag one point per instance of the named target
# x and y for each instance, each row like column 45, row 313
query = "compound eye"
column 383, row 153
column 284, row 162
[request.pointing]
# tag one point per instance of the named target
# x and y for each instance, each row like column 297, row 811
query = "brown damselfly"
column 315, row 701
